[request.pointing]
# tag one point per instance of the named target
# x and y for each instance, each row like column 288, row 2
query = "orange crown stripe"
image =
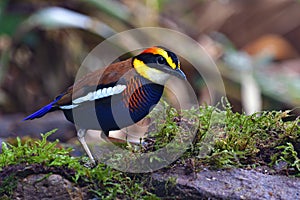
column 154, row 50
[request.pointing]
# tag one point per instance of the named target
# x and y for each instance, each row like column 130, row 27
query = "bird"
column 118, row 95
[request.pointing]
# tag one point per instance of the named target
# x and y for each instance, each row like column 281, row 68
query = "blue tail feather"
column 41, row 112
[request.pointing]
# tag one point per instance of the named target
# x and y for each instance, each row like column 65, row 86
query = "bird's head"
column 157, row 64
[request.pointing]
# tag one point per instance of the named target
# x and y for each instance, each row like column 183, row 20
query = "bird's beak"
column 180, row 74
column 175, row 72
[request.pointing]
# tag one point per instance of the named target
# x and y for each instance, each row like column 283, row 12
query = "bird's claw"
column 89, row 163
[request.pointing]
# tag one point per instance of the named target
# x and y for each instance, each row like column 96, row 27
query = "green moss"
column 251, row 140
column 35, row 151
column 8, row 185
column 102, row 181
column 289, row 155
column 226, row 139
column 223, row 139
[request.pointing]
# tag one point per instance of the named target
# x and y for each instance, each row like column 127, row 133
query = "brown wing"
column 103, row 76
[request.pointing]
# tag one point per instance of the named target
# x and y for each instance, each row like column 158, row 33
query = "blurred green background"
column 255, row 44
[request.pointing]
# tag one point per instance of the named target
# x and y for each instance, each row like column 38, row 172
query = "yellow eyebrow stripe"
column 144, row 69
column 170, row 61
column 163, row 53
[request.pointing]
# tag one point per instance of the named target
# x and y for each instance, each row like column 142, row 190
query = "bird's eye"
column 160, row 60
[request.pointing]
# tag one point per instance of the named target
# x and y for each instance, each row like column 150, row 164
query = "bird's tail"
column 41, row 112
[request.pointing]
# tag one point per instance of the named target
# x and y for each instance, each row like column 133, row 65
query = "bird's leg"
column 80, row 134
column 126, row 134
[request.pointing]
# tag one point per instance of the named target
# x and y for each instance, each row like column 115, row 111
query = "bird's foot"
column 147, row 143
column 88, row 163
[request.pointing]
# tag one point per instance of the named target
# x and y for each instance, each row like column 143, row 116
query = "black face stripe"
column 149, row 58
